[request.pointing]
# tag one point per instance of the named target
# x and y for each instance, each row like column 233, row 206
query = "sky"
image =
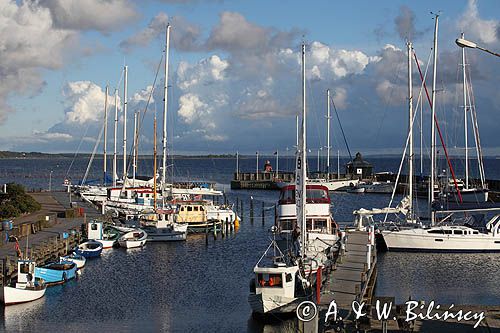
column 235, row 74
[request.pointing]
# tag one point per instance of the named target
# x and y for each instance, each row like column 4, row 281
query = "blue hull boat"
column 89, row 249
column 56, row 272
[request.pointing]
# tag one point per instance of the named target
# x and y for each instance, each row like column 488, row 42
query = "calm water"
column 194, row 287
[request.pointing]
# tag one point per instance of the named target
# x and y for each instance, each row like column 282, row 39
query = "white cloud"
column 102, row 15
column 204, row 72
column 328, row 63
column 51, row 136
column 85, row 102
column 475, row 27
column 142, row 96
column 184, row 35
column 28, row 42
column 191, row 108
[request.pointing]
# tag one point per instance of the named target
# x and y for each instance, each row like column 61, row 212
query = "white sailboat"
column 468, row 192
column 451, row 235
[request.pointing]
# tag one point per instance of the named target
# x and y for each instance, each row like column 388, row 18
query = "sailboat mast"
column 433, row 123
column 105, row 167
column 465, row 118
column 410, row 128
column 301, row 173
column 134, row 161
column 165, row 100
column 125, row 124
column 154, row 166
column 115, row 175
column 328, row 130
column 297, row 131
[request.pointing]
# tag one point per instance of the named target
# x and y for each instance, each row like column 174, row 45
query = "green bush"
column 16, row 202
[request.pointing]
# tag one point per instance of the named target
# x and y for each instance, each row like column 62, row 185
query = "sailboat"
column 281, row 279
column 468, row 192
column 455, row 234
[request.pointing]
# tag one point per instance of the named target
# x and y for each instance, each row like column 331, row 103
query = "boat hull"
column 130, row 244
column 170, row 236
column 56, row 276
column 418, row 241
column 80, row 262
column 107, row 243
column 13, row 295
column 273, row 304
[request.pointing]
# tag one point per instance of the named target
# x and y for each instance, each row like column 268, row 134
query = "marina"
column 182, row 166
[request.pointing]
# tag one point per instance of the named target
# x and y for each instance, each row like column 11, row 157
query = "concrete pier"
column 46, row 234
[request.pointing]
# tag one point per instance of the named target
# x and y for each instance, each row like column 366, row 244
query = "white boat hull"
column 420, row 240
column 80, row 263
column 133, row 239
column 106, row 244
column 170, row 236
column 130, row 244
column 272, row 304
column 13, row 295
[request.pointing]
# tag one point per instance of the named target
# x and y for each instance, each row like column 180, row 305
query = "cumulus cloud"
column 405, row 24
column 85, row 102
column 28, row 42
column 475, row 27
column 101, row 15
column 184, row 35
column 204, row 72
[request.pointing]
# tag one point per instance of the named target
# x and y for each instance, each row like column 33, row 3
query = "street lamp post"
column 467, row 43
column 50, row 181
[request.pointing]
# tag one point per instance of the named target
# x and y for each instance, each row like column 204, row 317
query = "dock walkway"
column 46, row 233
column 350, row 279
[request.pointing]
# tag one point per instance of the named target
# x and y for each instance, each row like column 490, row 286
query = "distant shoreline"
column 39, row 155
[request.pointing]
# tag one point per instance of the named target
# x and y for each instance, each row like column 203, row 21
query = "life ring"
column 65, row 277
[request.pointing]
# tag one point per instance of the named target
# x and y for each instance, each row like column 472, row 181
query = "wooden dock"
column 352, row 279
column 47, row 234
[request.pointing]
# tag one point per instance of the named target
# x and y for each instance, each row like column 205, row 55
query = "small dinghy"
column 78, row 259
column 27, row 288
column 89, row 249
column 131, row 239
column 57, row 272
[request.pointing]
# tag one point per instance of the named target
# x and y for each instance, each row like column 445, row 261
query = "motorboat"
column 27, row 287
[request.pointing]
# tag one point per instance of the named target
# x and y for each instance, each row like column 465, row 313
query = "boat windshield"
column 313, row 195
column 270, row 280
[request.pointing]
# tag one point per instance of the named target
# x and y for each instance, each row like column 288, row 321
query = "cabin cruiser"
column 322, row 230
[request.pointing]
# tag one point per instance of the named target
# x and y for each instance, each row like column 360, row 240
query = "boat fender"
column 65, row 277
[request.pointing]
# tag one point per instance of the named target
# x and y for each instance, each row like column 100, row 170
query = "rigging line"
column 440, row 134
column 411, row 126
column 341, row 128
column 143, row 115
column 472, row 103
column 93, row 154
column 84, row 134
column 77, row 151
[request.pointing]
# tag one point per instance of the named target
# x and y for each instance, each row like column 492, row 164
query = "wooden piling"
column 251, row 210
column 263, row 214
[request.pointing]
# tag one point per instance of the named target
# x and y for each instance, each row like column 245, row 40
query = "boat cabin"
column 278, row 281
column 25, row 271
column 94, row 230
column 317, row 205
column 191, row 212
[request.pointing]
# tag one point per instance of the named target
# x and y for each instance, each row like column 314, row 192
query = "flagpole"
column 277, row 157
